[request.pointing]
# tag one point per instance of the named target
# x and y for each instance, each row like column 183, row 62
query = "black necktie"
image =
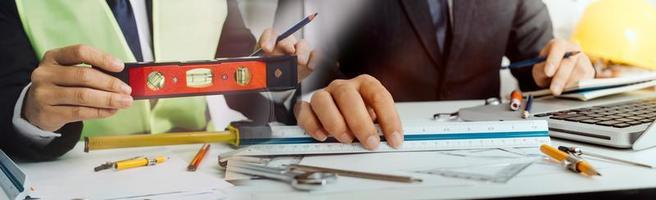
column 125, row 17
column 440, row 12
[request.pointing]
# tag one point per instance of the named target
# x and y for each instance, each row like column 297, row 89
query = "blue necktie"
column 125, row 17
column 439, row 10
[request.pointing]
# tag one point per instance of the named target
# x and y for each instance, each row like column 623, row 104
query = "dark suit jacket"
column 18, row 60
column 394, row 41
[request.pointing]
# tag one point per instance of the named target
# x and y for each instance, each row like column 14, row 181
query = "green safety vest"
column 182, row 30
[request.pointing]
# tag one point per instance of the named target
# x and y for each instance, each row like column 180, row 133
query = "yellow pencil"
column 572, row 162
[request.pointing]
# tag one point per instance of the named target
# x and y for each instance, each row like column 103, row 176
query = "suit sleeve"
column 237, row 40
column 531, row 31
column 17, row 61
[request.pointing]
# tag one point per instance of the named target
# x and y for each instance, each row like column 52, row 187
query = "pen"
column 570, row 161
column 198, row 158
column 578, row 151
column 139, row 161
column 527, row 107
column 536, row 60
column 289, row 32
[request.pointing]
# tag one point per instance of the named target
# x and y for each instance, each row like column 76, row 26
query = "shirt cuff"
column 307, row 97
column 288, row 101
column 25, row 128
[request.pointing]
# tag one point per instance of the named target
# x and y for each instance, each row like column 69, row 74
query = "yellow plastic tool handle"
column 127, row 164
column 160, row 159
column 230, row 136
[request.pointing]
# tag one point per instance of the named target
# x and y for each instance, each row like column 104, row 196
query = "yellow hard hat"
column 620, row 31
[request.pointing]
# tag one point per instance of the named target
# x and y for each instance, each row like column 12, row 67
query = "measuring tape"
column 419, row 136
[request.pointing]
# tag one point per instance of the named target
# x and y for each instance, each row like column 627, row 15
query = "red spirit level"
column 227, row 75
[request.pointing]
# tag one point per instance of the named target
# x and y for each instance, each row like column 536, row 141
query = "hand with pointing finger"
column 62, row 92
column 557, row 73
column 348, row 109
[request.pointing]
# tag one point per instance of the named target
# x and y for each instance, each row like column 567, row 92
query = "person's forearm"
column 236, row 39
column 531, row 31
column 525, row 79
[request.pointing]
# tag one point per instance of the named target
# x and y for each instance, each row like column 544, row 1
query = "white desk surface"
column 615, row 176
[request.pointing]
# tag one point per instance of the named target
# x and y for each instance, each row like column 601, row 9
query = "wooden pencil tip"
column 313, row 16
